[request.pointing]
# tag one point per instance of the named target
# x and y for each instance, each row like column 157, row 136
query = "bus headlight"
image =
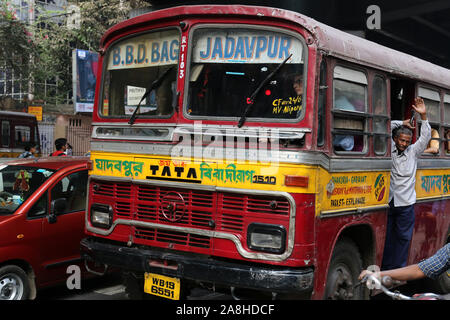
column 101, row 215
column 266, row 237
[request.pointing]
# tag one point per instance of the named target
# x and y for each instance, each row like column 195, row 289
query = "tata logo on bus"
column 380, row 187
column 172, row 206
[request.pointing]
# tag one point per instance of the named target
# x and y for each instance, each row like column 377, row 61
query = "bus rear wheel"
column 343, row 273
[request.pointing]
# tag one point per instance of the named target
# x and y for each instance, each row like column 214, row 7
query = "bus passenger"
column 343, row 142
column 433, row 145
column 447, row 143
column 402, row 195
column 298, row 85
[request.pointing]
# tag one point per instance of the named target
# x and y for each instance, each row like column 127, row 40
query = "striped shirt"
column 436, row 264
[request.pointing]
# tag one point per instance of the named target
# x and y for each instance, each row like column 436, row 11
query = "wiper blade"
column 155, row 84
column 251, row 99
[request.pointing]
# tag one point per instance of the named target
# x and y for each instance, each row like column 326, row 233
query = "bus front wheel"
column 343, row 273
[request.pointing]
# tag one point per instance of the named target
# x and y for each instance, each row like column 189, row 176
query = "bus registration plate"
column 162, row 286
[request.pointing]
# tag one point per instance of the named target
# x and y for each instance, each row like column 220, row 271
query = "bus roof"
column 329, row 40
column 17, row 114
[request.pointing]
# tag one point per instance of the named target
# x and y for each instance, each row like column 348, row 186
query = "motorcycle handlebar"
column 371, row 281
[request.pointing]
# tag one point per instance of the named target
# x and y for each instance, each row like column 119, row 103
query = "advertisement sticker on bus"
column 351, row 190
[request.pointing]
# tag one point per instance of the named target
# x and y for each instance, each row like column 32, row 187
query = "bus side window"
column 432, row 101
column 350, row 110
column 447, row 123
column 22, row 135
column 5, row 134
column 433, row 145
column 380, row 118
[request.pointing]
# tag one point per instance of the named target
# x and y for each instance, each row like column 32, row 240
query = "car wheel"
column 13, row 283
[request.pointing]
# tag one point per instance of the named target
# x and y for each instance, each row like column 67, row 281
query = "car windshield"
column 17, row 183
column 231, row 68
column 135, row 65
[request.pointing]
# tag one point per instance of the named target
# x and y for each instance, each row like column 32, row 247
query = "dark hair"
column 402, row 130
column 29, row 145
column 60, row 142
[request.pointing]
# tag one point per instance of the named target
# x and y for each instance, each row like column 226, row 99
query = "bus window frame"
column 364, row 116
column 21, row 126
column 446, row 125
column 322, row 101
column 104, row 62
column 386, row 116
column 433, row 124
column 8, row 145
column 295, row 34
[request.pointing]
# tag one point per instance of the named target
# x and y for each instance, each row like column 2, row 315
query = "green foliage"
column 47, row 45
column 17, row 46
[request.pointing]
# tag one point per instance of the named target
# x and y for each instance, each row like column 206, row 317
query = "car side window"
column 39, row 209
column 72, row 189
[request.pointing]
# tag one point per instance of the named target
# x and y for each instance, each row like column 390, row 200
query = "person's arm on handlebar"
column 411, row 272
column 431, row 267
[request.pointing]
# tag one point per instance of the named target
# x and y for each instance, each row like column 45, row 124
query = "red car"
column 42, row 203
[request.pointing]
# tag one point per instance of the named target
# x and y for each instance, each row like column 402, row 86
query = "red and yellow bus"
column 247, row 149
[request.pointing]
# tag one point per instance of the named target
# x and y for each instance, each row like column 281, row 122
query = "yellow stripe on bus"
column 334, row 192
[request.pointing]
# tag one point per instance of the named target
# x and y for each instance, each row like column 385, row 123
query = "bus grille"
column 225, row 211
column 179, row 238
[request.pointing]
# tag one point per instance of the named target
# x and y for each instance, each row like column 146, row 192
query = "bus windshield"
column 132, row 66
column 228, row 65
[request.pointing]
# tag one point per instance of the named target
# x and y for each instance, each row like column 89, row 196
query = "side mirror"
column 52, row 218
column 58, row 206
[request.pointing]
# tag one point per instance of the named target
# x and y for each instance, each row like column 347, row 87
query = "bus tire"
column 343, row 272
column 14, row 283
column 134, row 287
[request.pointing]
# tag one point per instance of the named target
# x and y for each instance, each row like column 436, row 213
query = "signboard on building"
column 37, row 111
column 84, row 74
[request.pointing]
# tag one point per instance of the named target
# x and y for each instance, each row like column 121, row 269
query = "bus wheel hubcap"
column 342, row 284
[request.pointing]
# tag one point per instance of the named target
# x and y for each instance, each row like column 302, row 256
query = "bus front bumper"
column 199, row 268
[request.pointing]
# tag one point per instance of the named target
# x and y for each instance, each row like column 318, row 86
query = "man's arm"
column 431, row 267
column 412, row 272
column 425, row 130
